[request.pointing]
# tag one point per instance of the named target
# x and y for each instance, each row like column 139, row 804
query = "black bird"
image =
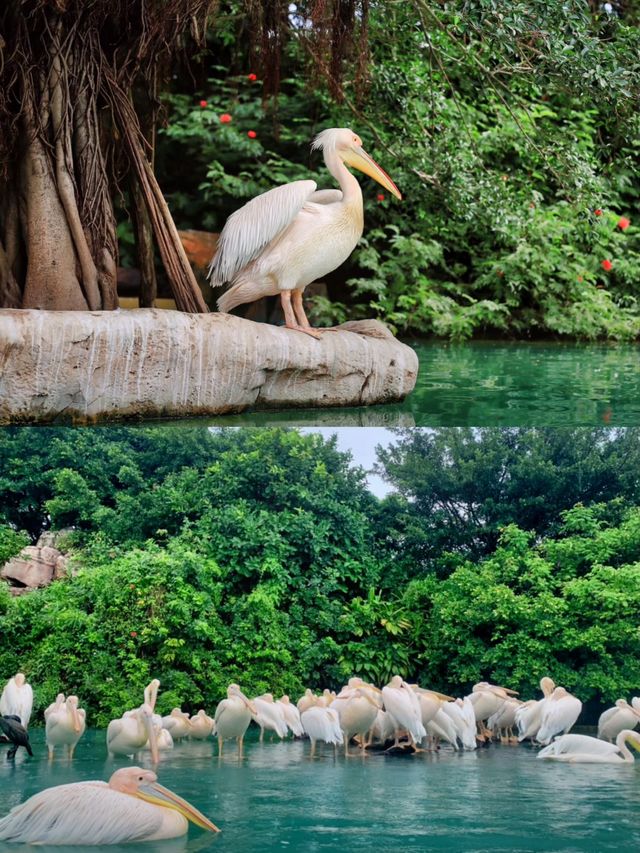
column 16, row 733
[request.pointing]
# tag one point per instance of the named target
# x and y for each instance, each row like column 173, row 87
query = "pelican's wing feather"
column 82, row 812
column 636, row 702
column 251, row 228
column 326, row 196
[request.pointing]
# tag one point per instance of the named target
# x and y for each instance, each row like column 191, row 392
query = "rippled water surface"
column 500, row 384
column 276, row 798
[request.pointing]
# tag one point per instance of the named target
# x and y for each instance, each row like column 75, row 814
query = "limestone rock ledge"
column 82, row 366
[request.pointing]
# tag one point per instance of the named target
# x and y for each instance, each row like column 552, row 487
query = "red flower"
column 597, row 212
column 580, row 279
column 225, row 118
column 203, row 104
column 606, row 265
column 252, row 77
column 134, row 633
column 251, row 134
column 380, row 196
column 499, row 273
column 623, row 223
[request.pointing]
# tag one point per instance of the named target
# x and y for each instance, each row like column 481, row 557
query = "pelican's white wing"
column 326, row 196
column 636, row 702
column 558, row 716
column 17, row 701
column 81, row 813
column 251, row 228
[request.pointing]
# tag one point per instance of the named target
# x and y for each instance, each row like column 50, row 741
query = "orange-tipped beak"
column 358, row 158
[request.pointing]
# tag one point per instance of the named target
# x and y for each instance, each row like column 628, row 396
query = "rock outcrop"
column 36, row 565
column 81, row 366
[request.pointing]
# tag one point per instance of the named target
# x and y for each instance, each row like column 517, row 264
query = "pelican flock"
column 284, row 239
column 397, row 717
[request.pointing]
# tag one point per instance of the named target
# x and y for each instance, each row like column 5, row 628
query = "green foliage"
column 259, row 556
column 505, row 129
column 11, row 542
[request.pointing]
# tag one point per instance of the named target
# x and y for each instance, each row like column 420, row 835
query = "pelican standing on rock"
column 284, row 239
column 559, row 713
column 132, row 806
column 65, row 725
column 403, row 705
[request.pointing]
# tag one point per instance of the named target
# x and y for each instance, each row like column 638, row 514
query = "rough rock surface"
column 35, row 566
column 84, row 366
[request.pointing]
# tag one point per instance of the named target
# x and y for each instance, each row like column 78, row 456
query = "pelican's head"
column 348, row 146
column 19, row 679
column 144, row 784
column 547, row 685
column 396, row 682
column 234, row 692
column 72, row 705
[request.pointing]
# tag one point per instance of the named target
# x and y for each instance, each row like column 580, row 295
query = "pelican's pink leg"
column 290, row 319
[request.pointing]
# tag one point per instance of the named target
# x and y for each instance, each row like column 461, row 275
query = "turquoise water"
column 277, row 798
column 499, row 384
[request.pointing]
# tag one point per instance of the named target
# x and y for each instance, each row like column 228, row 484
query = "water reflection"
column 497, row 384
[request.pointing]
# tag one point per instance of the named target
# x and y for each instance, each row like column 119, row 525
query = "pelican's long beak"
column 247, row 702
column 75, row 718
column 358, row 158
column 157, row 794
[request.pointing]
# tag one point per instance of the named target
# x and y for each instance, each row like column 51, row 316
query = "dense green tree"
column 462, row 486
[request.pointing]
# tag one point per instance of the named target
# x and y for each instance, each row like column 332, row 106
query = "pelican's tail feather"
column 242, row 291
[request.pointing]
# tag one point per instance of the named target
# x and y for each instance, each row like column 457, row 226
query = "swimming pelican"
column 233, row 716
column 129, row 734
column 65, row 726
column 291, row 716
column 322, row 723
column 529, row 714
column 17, row 699
column 403, row 705
column 269, row 715
column 582, row 749
column 201, row 725
column 132, row 806
column 357, row 712
column 559, row 713
column 177, row 723
column 284, row 239
column 614, row 720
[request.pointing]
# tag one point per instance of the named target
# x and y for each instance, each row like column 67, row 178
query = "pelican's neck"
column 351, row 192
column 621, row 743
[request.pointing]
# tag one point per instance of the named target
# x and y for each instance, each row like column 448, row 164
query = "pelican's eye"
column 140, row 778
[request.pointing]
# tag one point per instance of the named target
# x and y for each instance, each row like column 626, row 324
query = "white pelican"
column 464, row 719
column 17, row 699
column 383, row 727
column 177, row 723
column 582, row 749
column 291, row 716
column 443, row 727
column 269, row 715
column 504, row 720
column 321, row 723
column 284, row 239
column 65, row 726
column 129, row 734
column 201, row 725
column 559, row 713
column 307, row 700
column 486, row 700
column 403, row 705
column 233, row 716
column 54, row 706
column 132, row 806
column 357, row 712
column 614, row 720
column 529, row 714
